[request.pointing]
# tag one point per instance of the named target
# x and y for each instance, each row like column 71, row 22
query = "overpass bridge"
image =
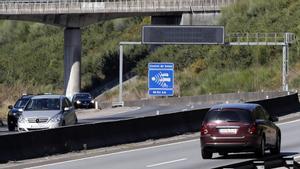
column 75, row 14
column 79, row 13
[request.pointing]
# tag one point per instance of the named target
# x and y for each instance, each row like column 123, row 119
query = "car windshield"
column 82, row 96
column 229, row 115
column 21, row 103
column 43, row 104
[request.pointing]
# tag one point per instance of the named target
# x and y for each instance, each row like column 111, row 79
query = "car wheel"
column 206, row 154
column 11, row 127
column 276, row 149
column 261, row 150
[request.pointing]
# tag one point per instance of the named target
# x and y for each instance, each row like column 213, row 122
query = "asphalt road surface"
column 144, row 112
column 180, row 155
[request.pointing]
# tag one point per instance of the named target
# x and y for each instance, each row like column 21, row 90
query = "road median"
column 89, row 136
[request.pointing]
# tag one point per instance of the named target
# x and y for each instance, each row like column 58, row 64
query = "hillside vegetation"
column 218, row 69
column 31, row 55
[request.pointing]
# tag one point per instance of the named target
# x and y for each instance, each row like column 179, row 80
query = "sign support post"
column 285, row 55
column 120, row 102
column 121, row 76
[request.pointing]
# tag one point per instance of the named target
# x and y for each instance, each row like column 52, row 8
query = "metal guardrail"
column 261, row 38
column 18, row 7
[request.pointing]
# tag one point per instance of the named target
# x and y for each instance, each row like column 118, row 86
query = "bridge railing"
column 261, row 38
column 108, row 6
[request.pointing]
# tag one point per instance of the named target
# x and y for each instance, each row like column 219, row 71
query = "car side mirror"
column 10, row 107
column 273, row 118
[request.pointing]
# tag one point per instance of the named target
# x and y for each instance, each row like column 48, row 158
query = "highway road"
column 144, row 112
column 179, row 155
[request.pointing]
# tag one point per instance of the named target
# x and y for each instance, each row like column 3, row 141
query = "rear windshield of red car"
column 228, row 115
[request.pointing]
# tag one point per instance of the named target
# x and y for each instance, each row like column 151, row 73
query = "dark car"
column 241, row 127
column 15, row 111
column 83, row 100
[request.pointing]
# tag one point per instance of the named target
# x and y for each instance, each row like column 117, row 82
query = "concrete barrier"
column 202, row 99
column 281, row 106
column 73, row 138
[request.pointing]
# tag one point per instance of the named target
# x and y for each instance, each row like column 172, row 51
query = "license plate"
column 228, row 131
column 38, row 126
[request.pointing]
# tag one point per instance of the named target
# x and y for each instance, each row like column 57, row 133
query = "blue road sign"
column 161, row 79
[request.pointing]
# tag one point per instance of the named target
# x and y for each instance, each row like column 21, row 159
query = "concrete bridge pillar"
column 72, row 60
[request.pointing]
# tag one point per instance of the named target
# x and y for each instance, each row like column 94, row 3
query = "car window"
column 65, row 103
column 21, row 103
column 68, row 102
column 266, row 114
column 229, row 115
column 82, row 96
column 260, row 114
column 43, row 104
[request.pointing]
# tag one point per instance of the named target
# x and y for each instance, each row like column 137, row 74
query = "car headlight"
column 21, row 119
column 56, row 119
column 93, row 101
column 78, row 102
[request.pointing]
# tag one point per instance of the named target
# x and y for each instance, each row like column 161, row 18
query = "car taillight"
column 252, row 129
column 204, row 130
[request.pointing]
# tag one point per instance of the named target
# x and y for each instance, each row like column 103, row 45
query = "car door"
column 67, row 114
column 263, row 124
column 72, row 114
column 272, row 128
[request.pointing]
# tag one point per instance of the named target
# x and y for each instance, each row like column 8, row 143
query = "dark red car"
column 239, row 127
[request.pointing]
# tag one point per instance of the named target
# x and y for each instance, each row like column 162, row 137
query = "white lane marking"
column 129, row 151
column 117, row 153
column 279, row 124
column 167, row 162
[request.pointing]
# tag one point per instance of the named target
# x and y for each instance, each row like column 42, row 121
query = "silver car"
column 47, row 111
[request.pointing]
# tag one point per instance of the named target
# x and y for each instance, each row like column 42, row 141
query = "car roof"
column 26, row 96
column 82, row 93
column 48, row 96
column 244, row 106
